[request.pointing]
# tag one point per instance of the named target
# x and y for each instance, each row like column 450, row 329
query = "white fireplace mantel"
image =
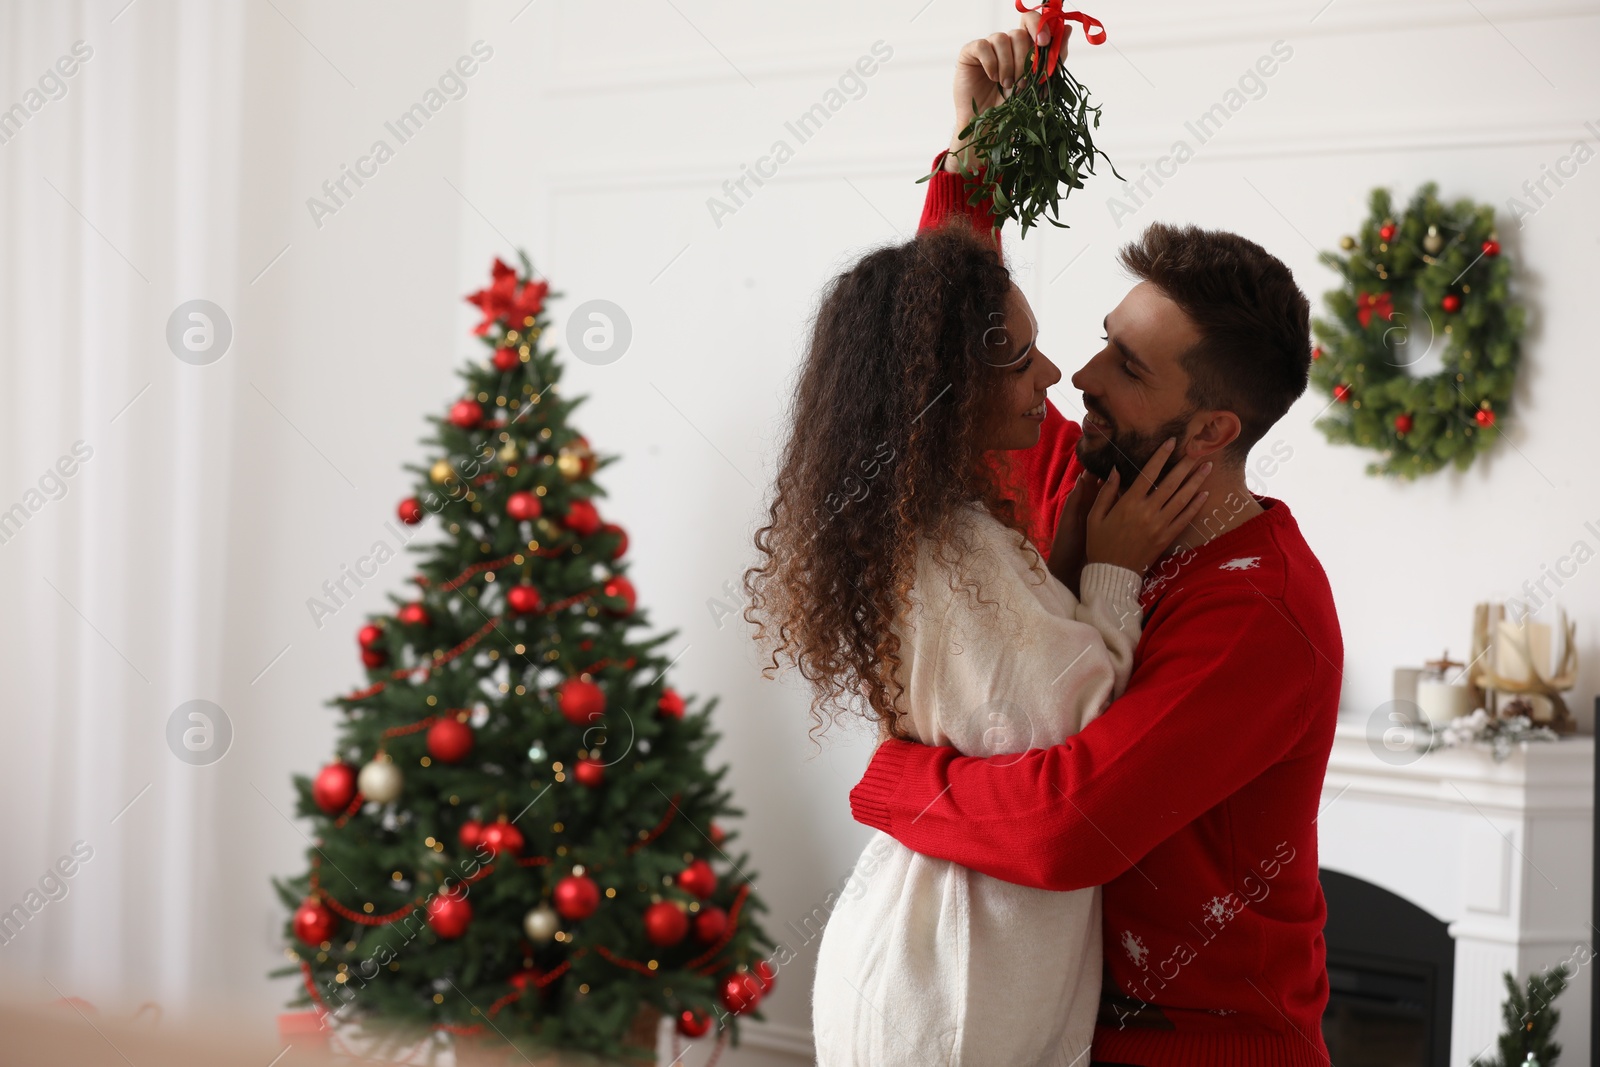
column 1499, row 851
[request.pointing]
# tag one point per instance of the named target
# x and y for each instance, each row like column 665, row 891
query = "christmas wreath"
column 1432, row 278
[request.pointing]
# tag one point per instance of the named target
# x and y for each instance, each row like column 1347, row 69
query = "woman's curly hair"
column 883, row 447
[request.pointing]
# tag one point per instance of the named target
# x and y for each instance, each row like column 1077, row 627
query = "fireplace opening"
column 1391, row 969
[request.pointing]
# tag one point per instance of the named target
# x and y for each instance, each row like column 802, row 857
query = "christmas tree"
column 528, row 851
column 1530, row 1022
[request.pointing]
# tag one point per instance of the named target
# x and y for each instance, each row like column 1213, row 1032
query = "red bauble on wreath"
column 369, row 635
column 693, row 1023
column 670, row 705
column 523, row 599
column 374, row 657
column 466, row 414
column 314, row 923
column 622, row 539
column 1402, row 423
column 740, row 992
column 449, row 740
column 581, row 701
column 581, row 518
column 502, row 837
column 698, row 878
column 619, row 588
column 710, row 924
column 1484, row 416
column 1451, row 303
column 524, row 506
column 576, row 896
column 334, row 787
column 470, row 834
column 414, row 615
column 589, row 772
column 449, row 914
column 665, row 924
column 1341, row 393
column 506, row 360
column 410, row 511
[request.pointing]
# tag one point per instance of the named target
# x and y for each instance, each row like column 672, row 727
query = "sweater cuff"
column 947, row 197
column 869, row 800
column 1115, row 588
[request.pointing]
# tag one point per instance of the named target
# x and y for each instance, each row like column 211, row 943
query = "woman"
column 898, row 579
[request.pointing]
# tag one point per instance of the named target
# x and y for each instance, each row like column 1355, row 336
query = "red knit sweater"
column 1192, row 799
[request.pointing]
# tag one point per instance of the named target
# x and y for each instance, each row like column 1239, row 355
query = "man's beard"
column 1129, row 450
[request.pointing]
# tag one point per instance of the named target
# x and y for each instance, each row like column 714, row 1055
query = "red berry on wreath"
column 500, row 837
column 1402, row 423
column 410, row 511
column 576, row 896
column 622, row 538
column 466, row 413
column 374, row 657
column 1387, row 231
column 523, row 506
column 766, row 974
column 1341, row 393
column 506, row 360
column 334, row 787
column 581, row 701
column 589, row 772
column 698, row 878
column 710, row 924
column 619, row 588
column 1485, row 417
column 414, row 615
column 1451, row 303
column 581, row 518
column 665, row 924
column 670, row 705
column 740, row 992
column 1316, row 352
column 523, row 599
column 369, row 635
column 449, row 740
column 1491, row 247
column 718, row 835
column 449, row 914
column 693, row 1023
column 470, row 834
column 314, row 923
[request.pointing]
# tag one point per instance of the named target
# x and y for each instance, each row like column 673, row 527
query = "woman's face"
column 1021, row 373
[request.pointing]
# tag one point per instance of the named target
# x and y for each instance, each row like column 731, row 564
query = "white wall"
column 224, row 496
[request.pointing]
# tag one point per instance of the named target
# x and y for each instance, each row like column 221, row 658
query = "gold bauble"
column 571, row 466
column 1347, row 242
column 509, row 452
column 1433, row 242
column 442, row 471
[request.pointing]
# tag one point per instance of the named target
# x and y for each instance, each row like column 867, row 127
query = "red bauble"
column 449, row 914
column 1387, row 231
column 718, row 834
column 335, row 787
column 1341, row 393
column 710, row 924
column 314, row 923
column 449, row 740
column 698, row 878
column 1451, row 303
column 1485, row 417
column 670, row 705
column 589, row 772
column 470, row 834
column 693, row 1023
column 507, row 360
column 766, row 975
column 414, row 615
column 466, row 413
column 622, row 589
column 582, row 701
column 1316, row 353
column 665, row 924
column 1491, row 248
column 369, row 635
column 581, row 518
column 1402, row 423
column 576, row 896
column 410, row 511
column 374, row 657
column 524, row 506
column 500, row 837
column 524, row 599
column 741, row 992
column 622, row 539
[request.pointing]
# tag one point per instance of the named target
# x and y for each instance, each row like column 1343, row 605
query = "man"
column 1193, row 798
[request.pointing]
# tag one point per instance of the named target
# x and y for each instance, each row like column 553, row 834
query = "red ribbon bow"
column 1366, row 304
column 1052, row 18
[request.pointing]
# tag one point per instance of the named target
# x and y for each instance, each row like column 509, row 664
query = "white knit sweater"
column 924, row 962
